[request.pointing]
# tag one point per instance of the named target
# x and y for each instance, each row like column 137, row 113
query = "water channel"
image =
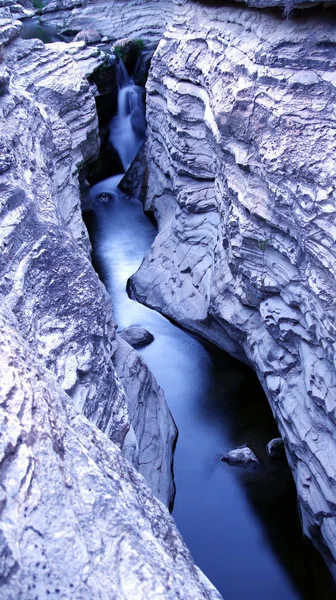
column 242, row 527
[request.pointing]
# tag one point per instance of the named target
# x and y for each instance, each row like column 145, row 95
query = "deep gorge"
column 219, row 262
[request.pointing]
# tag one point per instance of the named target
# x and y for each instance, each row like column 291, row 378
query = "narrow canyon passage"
column 213, row 204
column 242, row 528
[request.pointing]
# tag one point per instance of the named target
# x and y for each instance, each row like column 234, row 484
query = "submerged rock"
column 137, row 337
column 241, row 457
column 104, row 197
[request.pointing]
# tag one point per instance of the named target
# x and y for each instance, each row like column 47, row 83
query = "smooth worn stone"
column 241, row 457
column 89, row 36
column 275, row 448
column 240, row 176
column 137, row 337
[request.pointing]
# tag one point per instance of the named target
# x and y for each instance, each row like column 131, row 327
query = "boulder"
column 89, row 36
column 275, row 448
column 241, row 457
column 128, row 50
column 137, row 337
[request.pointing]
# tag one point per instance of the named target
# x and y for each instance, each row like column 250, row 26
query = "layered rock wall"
column 115, row 19
column 49, row 130
column 241, row 160
column 77, row 520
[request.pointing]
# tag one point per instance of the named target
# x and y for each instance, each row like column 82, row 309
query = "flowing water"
column 241, row 527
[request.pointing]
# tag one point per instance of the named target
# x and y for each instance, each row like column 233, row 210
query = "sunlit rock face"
column 49, row 128
column 241, row 160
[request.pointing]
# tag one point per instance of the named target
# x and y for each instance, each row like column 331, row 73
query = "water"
column 33, row 28
column 127, row 128
column 241, row 527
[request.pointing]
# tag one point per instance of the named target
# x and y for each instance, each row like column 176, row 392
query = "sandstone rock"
column 137, row 337
column 9, row 29
column 275, row 448
column 241, row 457
column 149, row 443
column 241, row 158
column 134, row 182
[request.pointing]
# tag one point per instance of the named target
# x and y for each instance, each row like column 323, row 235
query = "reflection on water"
column 242, row 528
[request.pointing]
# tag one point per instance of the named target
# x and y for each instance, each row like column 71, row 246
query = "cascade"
column 127, row 131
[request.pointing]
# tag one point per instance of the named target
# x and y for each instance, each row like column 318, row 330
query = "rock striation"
column 116, row 19
column 50, row 129
column 241, row 179
column 77, row 521
column 76, row 401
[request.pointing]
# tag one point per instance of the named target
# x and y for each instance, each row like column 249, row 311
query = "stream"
column 241, row 527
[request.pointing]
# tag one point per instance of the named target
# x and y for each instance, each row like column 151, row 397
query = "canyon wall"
column 76, row 401
column 115, row 19
column 241, row 179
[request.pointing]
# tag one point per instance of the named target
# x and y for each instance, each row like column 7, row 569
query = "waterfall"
column 127, row 128
column 127, row 131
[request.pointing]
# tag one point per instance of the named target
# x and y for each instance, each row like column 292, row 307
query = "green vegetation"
column 262, row 244
column 119, row 51
column 127, row 51
column 140, row 44
column 79, row 167
column 38, row 4
column 99, row 75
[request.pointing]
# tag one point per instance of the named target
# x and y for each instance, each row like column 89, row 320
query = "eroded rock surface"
column 241, row 157
column 115, row 19
column 77, row 521
column 49, row 128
